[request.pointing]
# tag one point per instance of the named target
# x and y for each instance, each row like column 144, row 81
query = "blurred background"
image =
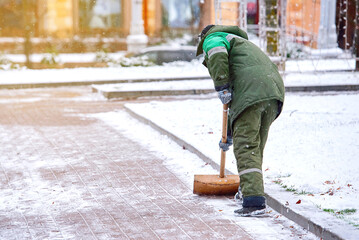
column 284, row 29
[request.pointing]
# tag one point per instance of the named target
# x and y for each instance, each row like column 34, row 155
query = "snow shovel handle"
column 224, row 140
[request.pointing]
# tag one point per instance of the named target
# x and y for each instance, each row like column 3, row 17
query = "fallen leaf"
column 299, row 202
column 349, row 185
column 266, row 169
column 312, row 195
column 210, row 132
column 220, row 210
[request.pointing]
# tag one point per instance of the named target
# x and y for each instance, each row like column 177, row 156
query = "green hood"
column 221, row 28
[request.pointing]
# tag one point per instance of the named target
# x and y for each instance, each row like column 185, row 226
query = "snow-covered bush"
column 102, row 57
column 51, row 59
column 141, row 61
column 295, row 51
column 6, row 64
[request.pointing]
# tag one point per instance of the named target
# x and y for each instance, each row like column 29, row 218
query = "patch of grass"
column 279, row 182
column 290, row 189
column 348, row 211
column 303, row 192
column 356, row 225
column 340, row 212
column 329, row 210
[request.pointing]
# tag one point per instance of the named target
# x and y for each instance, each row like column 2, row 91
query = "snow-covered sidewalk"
column 312, row 147
column 177, row 70
column 292, row 65
column 311, row 150
column 68, row 175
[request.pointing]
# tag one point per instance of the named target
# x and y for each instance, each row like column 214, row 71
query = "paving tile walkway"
column 65, row 176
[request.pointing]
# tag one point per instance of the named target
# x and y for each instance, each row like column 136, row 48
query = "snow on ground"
column 99, row 74
column 312, row 147
column 321, row 78
column 185, row 165
column 289, row 80
column 168, row 85
column 63, row 57
column 320, row 64
column 291, row 65
column 171, row 70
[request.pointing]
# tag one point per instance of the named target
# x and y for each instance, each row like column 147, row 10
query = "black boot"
column 250, row 211
column 252, row 206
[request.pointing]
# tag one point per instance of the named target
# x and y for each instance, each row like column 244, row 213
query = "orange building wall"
column 303, row 20
column 152, row 17
column 207, row 10
column 59, row 18
column 229, row 13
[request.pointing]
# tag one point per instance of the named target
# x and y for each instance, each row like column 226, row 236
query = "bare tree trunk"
column 27, row 32
column 201, row 24
column 192, row 21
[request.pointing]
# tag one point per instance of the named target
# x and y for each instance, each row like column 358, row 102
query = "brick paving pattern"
column 66, row 176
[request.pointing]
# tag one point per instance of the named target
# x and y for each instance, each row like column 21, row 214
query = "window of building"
column 100, row 14
column 180, row 13
column 252, row 14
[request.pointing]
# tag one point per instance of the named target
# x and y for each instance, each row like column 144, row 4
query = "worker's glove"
column 225, row 146
column 225, row 96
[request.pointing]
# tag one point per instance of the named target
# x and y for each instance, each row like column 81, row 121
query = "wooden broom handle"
column 224, row 140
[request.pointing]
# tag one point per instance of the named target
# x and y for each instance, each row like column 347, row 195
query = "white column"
column 242, row 20
column 137, row 39
column 327, row 36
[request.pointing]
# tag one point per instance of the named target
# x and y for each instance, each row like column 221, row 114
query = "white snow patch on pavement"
column 185, row 165
column 312, row 147
column 166, row 85
column 193, row 69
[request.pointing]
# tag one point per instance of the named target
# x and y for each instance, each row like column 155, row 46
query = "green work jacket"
column 238, row 65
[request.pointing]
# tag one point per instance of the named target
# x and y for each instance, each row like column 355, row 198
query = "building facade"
column 66, row 19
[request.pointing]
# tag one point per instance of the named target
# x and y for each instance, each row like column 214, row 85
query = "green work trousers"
column 250, row 132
